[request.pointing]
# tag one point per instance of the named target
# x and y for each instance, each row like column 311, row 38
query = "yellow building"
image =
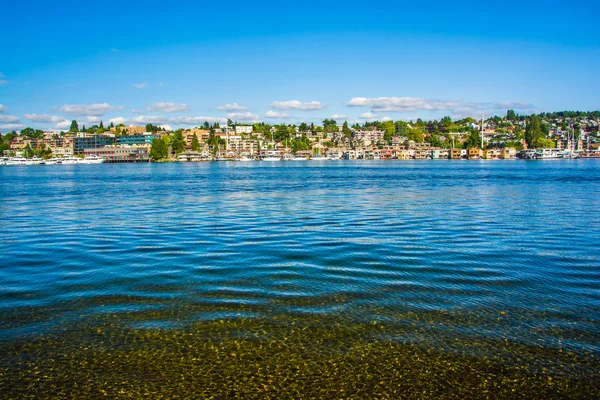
column 202, row 135
column 509, row 154
column 491, row 154
column 475, row 153
column 133, row 129
column 458, row 154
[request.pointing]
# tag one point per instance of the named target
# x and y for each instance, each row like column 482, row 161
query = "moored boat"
column 91, row 159
column 548, row 154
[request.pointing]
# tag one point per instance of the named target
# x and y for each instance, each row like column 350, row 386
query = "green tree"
column 28, row 151
column 473, row 140
column 74, row 127
column 390, row 128
column 416, row 134
column 101, row 125
column 434, row 140
column 401, row 128
column 29, row 133
column 159, row 150
column 195, row 143
column 533, row 132
column 346, row 129
column 546, row 143
column 511, row 115
column 330, row 125
column 282, row 133
column 177, row 143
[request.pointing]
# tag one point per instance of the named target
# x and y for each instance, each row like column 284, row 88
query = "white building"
column 243, row 130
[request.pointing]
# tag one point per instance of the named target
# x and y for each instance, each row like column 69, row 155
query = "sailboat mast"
column 482, row 132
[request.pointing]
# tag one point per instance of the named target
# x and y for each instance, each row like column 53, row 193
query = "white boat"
column 51, row 161
column 271, row 155
column 300, row 158
column 570, row 154
column 18, row 160
column 35, row 160
column 92, row 159
column 245, row 159
column 69, row 160
column 528, row 154
column 548, row 154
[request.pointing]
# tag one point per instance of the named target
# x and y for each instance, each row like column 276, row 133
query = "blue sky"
column 180, row 63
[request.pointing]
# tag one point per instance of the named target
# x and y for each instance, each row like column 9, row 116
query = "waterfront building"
column 458, row 153
column 62, row 151
column 491, row 154
column 475, row 153
column 193, row 156
column 136, row 140
column 92, row 142
column 440, row 154
column 119, row 154
column 403, row 154
column 508, row 154
column 421, row 153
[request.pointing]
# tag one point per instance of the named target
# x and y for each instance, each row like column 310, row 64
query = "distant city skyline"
column 141, row 62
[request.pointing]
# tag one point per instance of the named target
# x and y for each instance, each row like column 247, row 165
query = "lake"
column 318, row 278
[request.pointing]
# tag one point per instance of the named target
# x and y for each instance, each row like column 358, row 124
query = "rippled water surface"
column 444, row 250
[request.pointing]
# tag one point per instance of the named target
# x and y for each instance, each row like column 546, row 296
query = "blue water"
column 505, row 250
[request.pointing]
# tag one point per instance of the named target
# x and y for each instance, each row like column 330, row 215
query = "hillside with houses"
column 512, row 136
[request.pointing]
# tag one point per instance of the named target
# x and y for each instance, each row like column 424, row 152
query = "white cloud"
column 89, row 109
column 338, row 116
column 168, row 107
column 244, row 117
column 386, row 118
column 457, row 108
column 117, row 121
column 64, row 124
column 2, row 108
column 513, row 105
column 148, row 119
column 10, row 127
column 93, row 120
column 232, row 107
column 43, row 118
column 139, row 85
column 275, row 114
column 402, row 104
column 9, row 118
column 196, row 120
column 137, row 111
column 297, row 105
column 3, row 82
column 368, row 115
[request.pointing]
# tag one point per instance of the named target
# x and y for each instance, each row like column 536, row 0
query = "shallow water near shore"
column 301, row 279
